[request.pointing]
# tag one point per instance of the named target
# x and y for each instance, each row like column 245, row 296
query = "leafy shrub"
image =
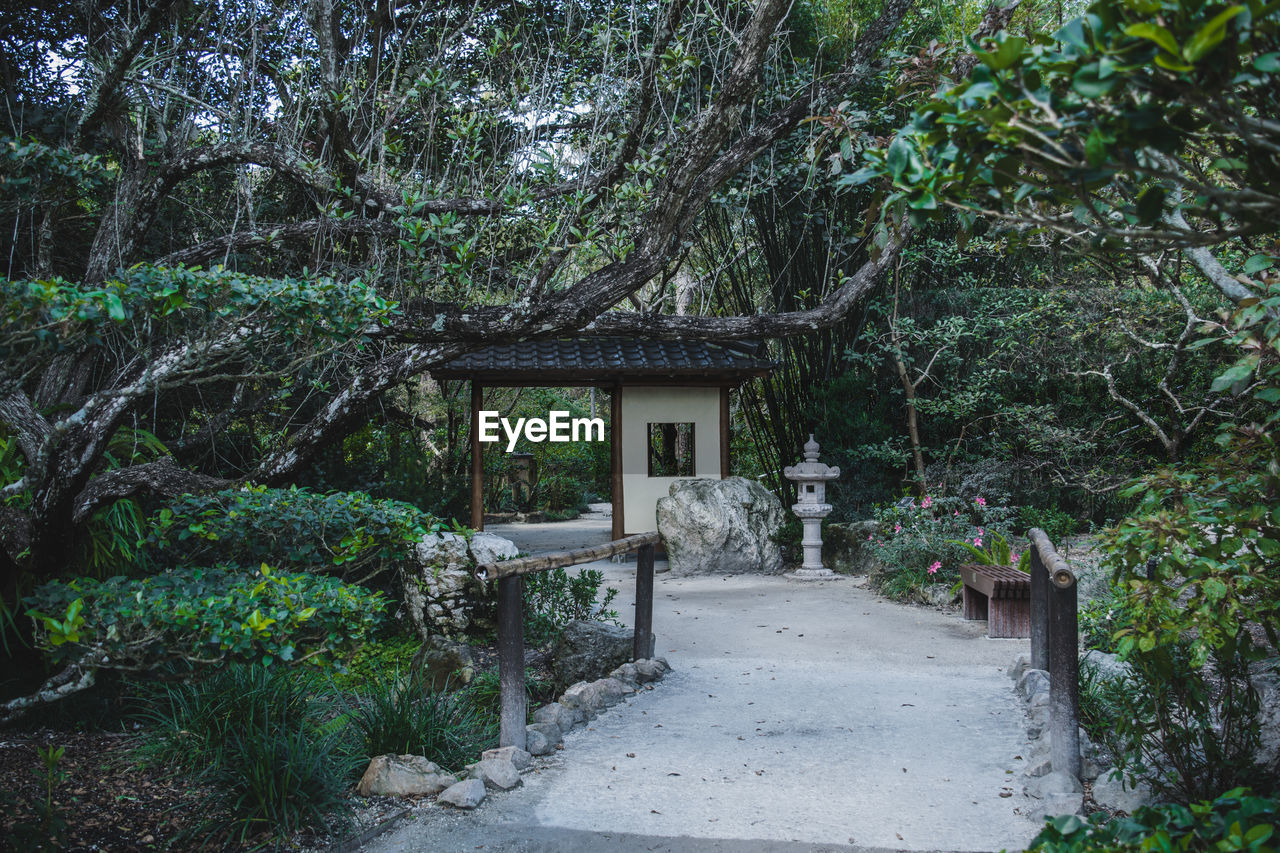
column 387, row 654
column 1056, row 524
column 1196, row 561
column 1101, row 619
column 923, row 542
column 201, row 616
column 253, row 733
column 554, row 598
column 404, row 716
column 1186, row 729
column 348, row 532
column 1237, row 820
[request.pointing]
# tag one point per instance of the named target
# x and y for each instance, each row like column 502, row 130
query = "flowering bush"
column 924, row 541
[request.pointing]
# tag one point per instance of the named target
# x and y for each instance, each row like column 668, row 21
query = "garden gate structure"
column 654, row 385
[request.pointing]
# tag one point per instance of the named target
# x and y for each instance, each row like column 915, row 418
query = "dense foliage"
column 343, row 532
column 201, row 616
column 1237, row 820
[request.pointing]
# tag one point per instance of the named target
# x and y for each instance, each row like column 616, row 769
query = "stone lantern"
column 811, row 507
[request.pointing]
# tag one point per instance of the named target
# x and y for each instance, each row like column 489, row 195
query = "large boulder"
column 721, row 527
column 441, row 589
column 587, row 650
column 848, row 547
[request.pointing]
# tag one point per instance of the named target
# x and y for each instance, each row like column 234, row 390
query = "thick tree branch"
column 267, row 235
column 832, row 310
column 162, row 478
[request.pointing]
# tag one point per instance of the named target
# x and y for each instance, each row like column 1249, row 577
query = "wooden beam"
column 615, row 460
column 477, row 459
column 724, row 432
column 560, row 559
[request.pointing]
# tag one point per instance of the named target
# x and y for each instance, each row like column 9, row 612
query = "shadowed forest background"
column 1015, row 264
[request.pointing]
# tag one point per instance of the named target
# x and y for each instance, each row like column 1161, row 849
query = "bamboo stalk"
column 560, row 559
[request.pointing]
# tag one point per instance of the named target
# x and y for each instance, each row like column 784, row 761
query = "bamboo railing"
column 510, row 577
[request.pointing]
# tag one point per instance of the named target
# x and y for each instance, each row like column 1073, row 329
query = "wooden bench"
column 999, row 594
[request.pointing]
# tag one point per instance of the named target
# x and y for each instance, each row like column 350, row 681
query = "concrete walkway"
column 799, row 717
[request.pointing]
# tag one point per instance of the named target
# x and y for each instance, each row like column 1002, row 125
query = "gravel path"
column 800, row 717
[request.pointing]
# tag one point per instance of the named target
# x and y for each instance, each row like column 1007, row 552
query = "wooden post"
column 615, row 460
column 1039, row 607
column 1064, row 672
column 724, row 432
column 511, row 662
column 644, row 603
column 477, row 459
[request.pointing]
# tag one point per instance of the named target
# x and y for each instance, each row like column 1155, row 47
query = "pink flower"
column 897, row 528
column 957, row 512
column 1013, row 558
column 982, row 531
column 980, row 501
column 978, row 542
column 927, row 502
column 933, row 569
column 868, row 537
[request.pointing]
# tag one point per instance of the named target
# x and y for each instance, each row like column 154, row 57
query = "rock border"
column 500, row 769
column 1056, row 792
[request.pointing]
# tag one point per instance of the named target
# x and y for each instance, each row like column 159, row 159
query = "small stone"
column 1054, row 805
column 626, row 674
column 514, row 754
column 648, row 670
column 1033, row 681
column 498, row 774
column 584, row 696
column 466, row 794
column 550, row 731
column 557, row 715
column 1057, row 782
column 610, row 691
column 1111, row 790
column 662, row 662
column 402, row 776
column 1020, row 665
column 1042, row 767
column 536, row 742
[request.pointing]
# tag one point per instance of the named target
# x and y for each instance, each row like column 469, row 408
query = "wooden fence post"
column 1039, row 603
column 1064, row 672
column 511, row 661
column 644, row 603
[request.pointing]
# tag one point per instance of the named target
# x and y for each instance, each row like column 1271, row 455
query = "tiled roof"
column 594, row 359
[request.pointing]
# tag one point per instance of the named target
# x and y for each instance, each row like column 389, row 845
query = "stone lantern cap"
column 811, row 470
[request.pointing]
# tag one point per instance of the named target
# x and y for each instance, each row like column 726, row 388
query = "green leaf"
column 1268, row 63
column 1088, row 83
column 1210, row 35
column 1151, row 204
column 1258, row 263
column 1155, row 33
column 115, row 308
column 1235, row 375
column 1095, row 147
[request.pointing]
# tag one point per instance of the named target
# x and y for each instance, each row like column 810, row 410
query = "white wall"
column 642, row 406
